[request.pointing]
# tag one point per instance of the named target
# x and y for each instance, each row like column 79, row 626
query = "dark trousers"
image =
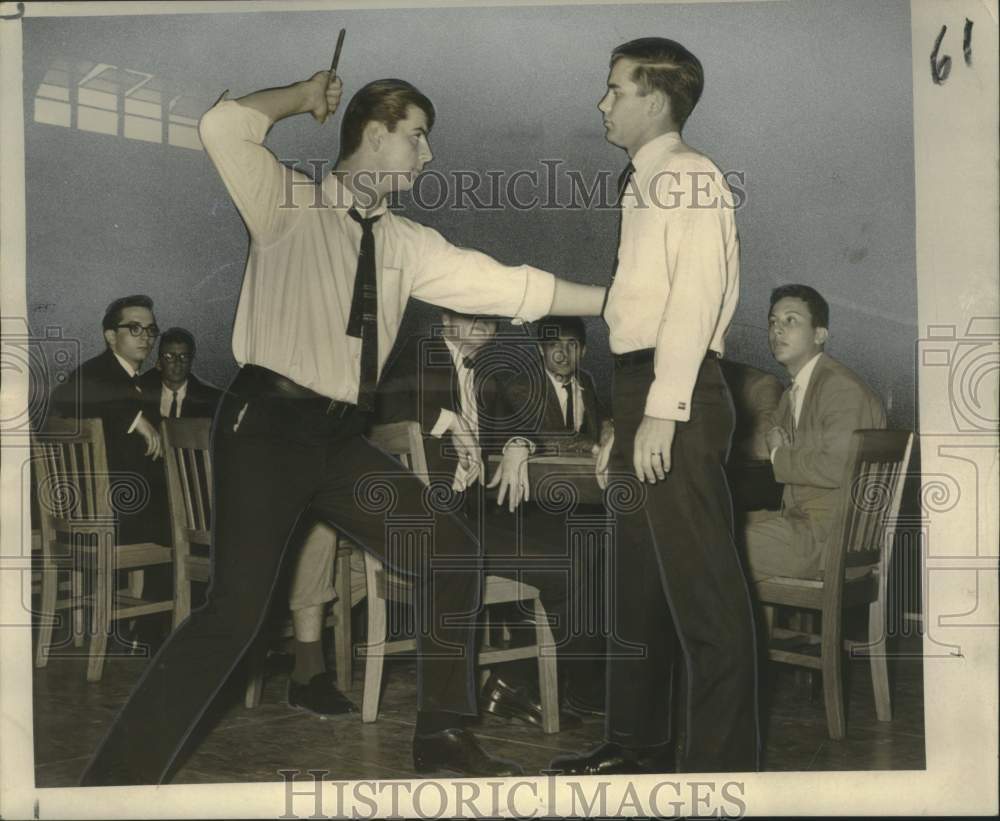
column 284, row 456
column 678, row 584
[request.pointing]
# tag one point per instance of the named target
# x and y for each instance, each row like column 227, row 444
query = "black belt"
column 644, row 355
column 275, row 384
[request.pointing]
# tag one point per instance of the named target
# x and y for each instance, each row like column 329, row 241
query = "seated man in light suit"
column 824, row 405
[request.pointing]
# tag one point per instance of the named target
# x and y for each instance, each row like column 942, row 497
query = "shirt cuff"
column 773, row 451
column 444, row 421
column 520, row 440
column 134, row 422
column 539, row 291
column 664, row 403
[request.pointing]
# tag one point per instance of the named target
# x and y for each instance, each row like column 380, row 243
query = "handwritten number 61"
column 941, row 66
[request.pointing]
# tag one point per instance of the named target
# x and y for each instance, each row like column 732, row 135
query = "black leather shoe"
column 614, row 759
column 459, row 752
column 518, row 702
column 320, row 697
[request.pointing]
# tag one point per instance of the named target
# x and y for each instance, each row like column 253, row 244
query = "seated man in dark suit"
column 553, row 409
column 108, row 387
column 170, row 388
column 823, row 406
column 446, row 381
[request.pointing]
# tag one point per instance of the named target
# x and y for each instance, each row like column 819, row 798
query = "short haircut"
column 819, row 310
column 173, row 335
column 113, row 314
column 553, row 327
column 384, row 101
column 666, row 66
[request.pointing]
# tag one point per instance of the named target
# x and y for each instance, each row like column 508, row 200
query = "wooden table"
column 559, row 480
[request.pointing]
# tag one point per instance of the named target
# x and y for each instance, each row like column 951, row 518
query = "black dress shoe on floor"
column 614, row 759
column 320, row 697
column 518, row 702
column 459, row 752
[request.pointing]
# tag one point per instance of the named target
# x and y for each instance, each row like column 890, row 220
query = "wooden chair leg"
column 375, row 655
column 77, row 592
column 833, row 688
column 548, row 682
column 182, row 591
column 255, row 660
column 878, row 658
column 47, row 616
column 485, row 644
column 104, row 590
column 342, row 648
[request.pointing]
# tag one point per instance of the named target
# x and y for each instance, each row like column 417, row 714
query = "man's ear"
column 158, row 365
column 109, row 337
column 821, row 336
column 374, row 133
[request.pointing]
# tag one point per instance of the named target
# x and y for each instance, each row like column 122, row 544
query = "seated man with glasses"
column 170, row 390
column 108, row 387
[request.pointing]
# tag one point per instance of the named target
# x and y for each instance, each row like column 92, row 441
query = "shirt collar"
column 181, row 391
column 132, row 372
column 339, row 197
column 556, row 382
column 805, row 374
column 647, row 157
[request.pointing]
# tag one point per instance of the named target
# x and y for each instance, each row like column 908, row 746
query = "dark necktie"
column 173, row 414
column 570, row 409
column 363, row 321
column 623, row 181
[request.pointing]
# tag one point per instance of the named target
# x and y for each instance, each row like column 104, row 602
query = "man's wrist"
column 519, row 441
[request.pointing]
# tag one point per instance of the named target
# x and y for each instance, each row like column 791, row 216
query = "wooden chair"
column 855, row 574
column 188, row 459
column 79, row 526
column 404, row 440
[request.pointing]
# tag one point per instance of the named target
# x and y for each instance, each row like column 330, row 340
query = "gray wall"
column 810, row 100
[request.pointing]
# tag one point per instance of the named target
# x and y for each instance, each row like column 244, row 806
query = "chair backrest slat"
column 71, row 472
column 188, row 461
column 873, row 482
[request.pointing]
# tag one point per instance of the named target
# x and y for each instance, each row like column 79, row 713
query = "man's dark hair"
column 113, row 314
column 173, row 335
column 666, row 66
column 553, row 327
column 819, row 310
column 385, row 101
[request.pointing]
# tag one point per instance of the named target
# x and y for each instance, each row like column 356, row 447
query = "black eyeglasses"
column 177, row 357
column 138, row 329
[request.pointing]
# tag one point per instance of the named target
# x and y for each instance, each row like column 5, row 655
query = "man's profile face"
column 561, row 356
column 404, row 152
column 174, row 362
column 626, row 113
column 133, row 349
column 791, row 335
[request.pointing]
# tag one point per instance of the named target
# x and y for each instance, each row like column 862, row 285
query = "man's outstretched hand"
column 324, row 88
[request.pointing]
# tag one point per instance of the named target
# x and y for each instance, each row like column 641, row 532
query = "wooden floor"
column 235, row 744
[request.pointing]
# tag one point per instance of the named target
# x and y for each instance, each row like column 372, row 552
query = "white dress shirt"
column 577, row 398
column 801, row 384
column 678, row 274
column 167, row 398
column 296, row 295
column 470, row 411
column 797, row 392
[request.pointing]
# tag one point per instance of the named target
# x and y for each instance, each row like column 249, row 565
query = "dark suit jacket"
column 529, row 406
column 837, row 402
column 199, row 401
column 101, row 388
column 420, row 382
